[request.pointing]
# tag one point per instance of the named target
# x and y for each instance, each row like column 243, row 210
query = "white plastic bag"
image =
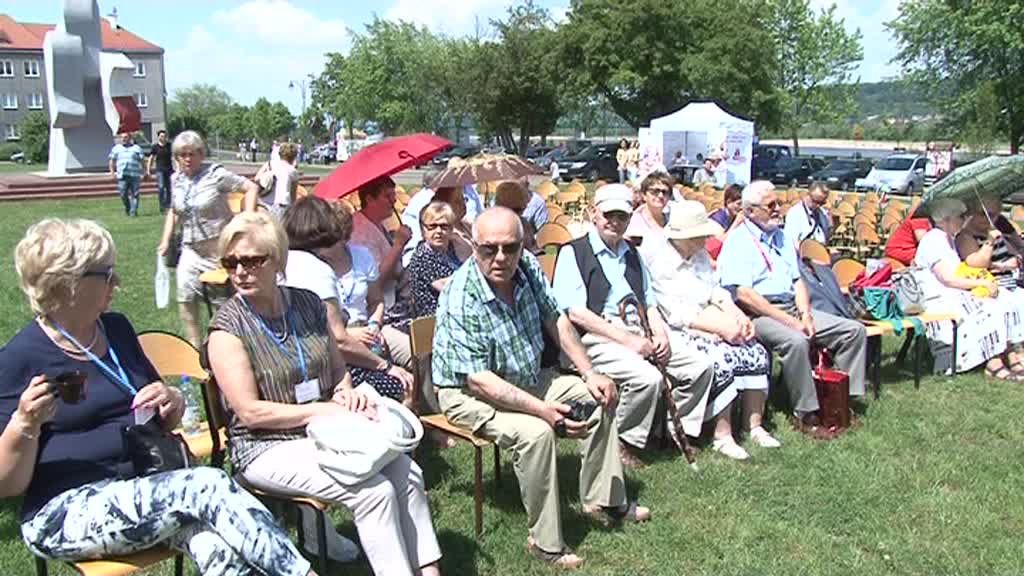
column 161, row 283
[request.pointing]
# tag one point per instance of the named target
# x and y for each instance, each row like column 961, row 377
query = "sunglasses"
column 659, row 191
column 437, row 226
column 106, row 273
column 770, row 206
column 489, row 251
column 230, row 263
column 617, row 216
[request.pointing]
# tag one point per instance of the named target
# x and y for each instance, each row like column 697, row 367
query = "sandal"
column 1004, row 373
column 564, row 559
column 629, row 512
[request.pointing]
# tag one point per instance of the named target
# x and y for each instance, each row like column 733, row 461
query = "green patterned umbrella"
column 996, row 175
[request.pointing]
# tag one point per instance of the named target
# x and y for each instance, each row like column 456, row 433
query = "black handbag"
column 152, row 450
column 173, row 254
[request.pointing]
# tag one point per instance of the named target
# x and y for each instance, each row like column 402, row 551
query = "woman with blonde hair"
column 70, row 382
column 278, row 367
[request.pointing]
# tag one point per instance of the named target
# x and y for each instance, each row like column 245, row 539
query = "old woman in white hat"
column 693, row 303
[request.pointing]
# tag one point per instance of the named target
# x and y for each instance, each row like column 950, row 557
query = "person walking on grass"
column 125, row 163
column 160, row 156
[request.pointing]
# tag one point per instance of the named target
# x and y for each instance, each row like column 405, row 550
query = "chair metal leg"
column 497, row 466
column 478, row 492
column 955, row 326
column 875, row 362
column 918, row 352
column 907, row 341
column 321, row 534
column 179, row 564
column 41, row 568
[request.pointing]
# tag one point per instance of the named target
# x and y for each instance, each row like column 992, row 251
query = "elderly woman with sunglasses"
column 82, row 497
column 650, row 217
column 200, row 210
column 278, row 367
column 434, row 260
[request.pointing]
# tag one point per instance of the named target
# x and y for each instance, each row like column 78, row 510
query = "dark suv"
column 592, row 163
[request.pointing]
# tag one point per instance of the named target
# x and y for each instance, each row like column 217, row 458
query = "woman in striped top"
column 278, row 368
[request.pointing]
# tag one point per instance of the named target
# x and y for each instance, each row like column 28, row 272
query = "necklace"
column 73, row 350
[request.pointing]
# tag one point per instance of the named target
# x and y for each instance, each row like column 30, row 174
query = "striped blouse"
column 276, row 366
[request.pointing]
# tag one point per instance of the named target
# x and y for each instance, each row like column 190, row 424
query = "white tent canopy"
column 703, row 130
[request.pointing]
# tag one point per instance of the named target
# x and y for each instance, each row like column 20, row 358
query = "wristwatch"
column 586, row 375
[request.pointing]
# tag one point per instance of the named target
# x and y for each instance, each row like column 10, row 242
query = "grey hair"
column 188, row 140
column 489, row 213
column 946, row 208
column 754, row 192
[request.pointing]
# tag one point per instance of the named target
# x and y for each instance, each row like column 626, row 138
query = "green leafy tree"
column 816, row 60
column 262, row 122
column 233, row 125
column 650, row 57
column 281, row 120
column 965, row 53
column 35, row 136
column 334, row 93
column 200, row 100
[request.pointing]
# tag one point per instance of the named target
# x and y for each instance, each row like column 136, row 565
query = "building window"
column 141, row 101
column 32, row 68
column 9, row 101
column 6, row 68
column 140, row 69
column 11, row 132
column 35, row 101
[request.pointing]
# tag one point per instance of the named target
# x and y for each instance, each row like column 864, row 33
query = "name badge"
column 307, row 391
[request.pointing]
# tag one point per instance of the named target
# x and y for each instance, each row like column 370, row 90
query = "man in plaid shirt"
column 486, row 361
column 126, row 168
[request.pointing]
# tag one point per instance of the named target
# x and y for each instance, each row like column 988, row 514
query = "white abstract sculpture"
column 81, row 82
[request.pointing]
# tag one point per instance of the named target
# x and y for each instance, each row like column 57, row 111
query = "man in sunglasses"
column 594, row 277
column 489, row 337
column 760, row 265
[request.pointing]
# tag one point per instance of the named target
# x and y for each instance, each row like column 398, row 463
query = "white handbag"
column 352, row 448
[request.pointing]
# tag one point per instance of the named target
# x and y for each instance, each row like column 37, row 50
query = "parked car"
column 842, row 173
column 557, row 154
column 898, row 173
column 534, row 152
column 592, row 163
column 463, row 151
column 766, row 156
column 797, row 171
column 324, row 154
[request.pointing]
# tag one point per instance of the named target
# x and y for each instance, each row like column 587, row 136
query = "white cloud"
column 255, row 50
column 451, row 17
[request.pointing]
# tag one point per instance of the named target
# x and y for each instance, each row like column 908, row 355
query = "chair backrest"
column 546, row 189
column 846, row 269
column 547, row 263
column 553, row 233
column 235, row 201
column 563, row 220
column 172, row 355
column 216, row 419
column 421, row 337
column 816, row 251
column 895, row 264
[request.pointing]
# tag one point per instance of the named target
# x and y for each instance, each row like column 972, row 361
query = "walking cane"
column 682, row 441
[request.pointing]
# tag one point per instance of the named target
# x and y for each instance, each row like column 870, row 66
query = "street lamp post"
column 303, row 129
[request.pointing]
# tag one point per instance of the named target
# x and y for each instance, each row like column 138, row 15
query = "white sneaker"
column 762, row 438
column 339, row 548
column 729, row 448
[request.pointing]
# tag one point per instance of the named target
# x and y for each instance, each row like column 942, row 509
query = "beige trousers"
column 390, row 509
column 532, row 443
column 640, row 383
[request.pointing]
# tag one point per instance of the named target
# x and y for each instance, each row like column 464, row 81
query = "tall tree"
column 199, row 100
column 261, row 121
column 650, row 57
column 233, row 125
column 816, row 61
column 965, row 53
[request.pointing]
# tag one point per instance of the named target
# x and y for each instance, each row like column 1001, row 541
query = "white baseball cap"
column 614, row 198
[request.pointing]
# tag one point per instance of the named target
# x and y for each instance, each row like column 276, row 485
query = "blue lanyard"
column 120, row 377
column 289, row 328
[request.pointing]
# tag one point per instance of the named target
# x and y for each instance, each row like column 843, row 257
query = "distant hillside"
column 891, row 99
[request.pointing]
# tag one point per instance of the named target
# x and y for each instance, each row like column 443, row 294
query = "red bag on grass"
column 833, row 388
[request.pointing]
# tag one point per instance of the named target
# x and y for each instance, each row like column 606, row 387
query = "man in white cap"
column 760, row 265
column 603, row 286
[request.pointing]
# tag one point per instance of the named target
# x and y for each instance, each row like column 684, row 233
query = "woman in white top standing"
column 286, row 179
column 981, row 330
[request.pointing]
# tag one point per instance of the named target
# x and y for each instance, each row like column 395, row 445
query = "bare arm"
column 566, row 339
column 349, row 347
column 439, row 284
column 149, row 164
column 252, row 193
column 231, row 366
column 375, row 301
column 590, row 322
column 112, row 166
column 494, row 390
column 803, row 298
column 168, row 233
column 19, row 442
column 979, row 255
column 946, row 273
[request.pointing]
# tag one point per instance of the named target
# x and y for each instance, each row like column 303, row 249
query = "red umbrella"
column 379, row 160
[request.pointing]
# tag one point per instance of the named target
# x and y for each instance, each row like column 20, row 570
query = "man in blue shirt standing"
column 597, row 278
column 760, row 264
column 126, row 169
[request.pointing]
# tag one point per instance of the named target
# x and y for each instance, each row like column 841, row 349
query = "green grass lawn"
column 11, row 167
column 929, row 484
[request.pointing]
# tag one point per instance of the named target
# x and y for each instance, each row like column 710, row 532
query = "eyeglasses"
column 437, row 226
column 489, row 251
column 659, row 191
column 106, row 273
column 249, row 263
column 617, row 216
column 774, row 205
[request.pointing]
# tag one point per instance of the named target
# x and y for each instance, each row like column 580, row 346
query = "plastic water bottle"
column 374, row 328
column 190, row 418
column 161, row 283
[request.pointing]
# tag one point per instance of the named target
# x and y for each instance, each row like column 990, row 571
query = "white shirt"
column 285, row 178
column 799, row 225
column 411, row 218
column 935, row 247
column 373, row 238
column 306, row 271
column 683, row 287
column 353, row 286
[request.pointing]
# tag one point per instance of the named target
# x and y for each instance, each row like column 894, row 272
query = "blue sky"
column 254, row 48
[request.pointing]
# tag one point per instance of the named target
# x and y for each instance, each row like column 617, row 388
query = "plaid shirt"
column 127, row 160
column 477, row 332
